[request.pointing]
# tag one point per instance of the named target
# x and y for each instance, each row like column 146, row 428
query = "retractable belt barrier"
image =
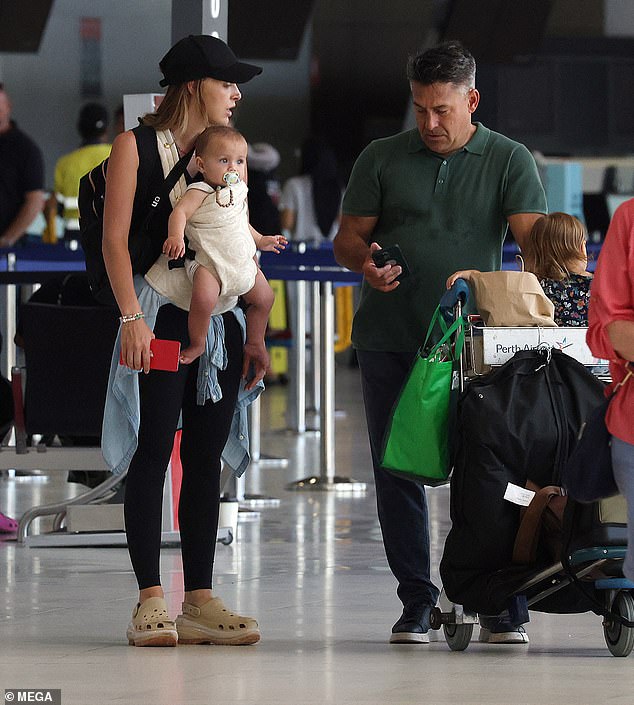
column 302, row 263
column 29, row 264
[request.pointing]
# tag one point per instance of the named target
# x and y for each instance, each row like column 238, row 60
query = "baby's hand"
column 174, row 247
column 273, row 243
column 465, row 274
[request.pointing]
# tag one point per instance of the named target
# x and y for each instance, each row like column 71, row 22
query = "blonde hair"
column 213, row 132
column 555, row 246
column 174, row 110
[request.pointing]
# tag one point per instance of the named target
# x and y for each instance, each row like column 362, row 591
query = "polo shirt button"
column 440, row 181
column 241, row 437
column 444, row 163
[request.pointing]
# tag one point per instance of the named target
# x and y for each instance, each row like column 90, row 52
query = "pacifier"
column 231, row 178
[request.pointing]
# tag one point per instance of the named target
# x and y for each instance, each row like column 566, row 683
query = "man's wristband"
column 129, row 317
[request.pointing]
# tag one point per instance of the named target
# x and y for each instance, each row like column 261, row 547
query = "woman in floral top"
column 557, row 256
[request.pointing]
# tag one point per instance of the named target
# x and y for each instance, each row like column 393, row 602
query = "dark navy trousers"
column 401, row 503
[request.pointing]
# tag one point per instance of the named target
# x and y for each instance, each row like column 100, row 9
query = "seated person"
column 556, row 254
column 213, row 214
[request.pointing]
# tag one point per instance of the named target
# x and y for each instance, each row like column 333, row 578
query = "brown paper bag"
column 512, row 299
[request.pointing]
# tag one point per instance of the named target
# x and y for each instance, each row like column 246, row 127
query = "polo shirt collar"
column 475, row 145
column 479, row 140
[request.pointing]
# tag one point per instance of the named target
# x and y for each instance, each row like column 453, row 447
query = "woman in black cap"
column 201, row 74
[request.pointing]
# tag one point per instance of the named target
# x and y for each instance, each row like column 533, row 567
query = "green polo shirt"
column 446, row 213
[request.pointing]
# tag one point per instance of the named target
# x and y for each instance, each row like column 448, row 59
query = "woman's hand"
column 135, row 345
column 255, row 363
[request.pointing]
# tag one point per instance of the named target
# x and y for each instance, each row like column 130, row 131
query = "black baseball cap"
column 204, row 56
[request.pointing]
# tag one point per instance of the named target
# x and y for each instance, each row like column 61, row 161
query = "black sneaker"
column 413, row 626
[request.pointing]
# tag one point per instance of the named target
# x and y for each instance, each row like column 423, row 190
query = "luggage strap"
column 527, row 538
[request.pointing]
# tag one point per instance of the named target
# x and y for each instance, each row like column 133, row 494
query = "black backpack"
column 151, row 190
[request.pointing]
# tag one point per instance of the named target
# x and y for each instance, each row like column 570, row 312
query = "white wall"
column 618, row 18
column 45, row 87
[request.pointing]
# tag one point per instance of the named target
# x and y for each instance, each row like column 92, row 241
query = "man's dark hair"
column 92, row 122
column 448, row 62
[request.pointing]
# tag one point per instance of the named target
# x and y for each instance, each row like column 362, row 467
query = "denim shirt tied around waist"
column 122, row 412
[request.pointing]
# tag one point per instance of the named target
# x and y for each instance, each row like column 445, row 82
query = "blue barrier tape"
column 301, row 263
column 614, row 584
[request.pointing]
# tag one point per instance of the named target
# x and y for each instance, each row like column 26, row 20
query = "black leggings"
column 205, row 431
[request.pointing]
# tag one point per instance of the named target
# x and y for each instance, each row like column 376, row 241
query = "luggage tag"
column 518, row 495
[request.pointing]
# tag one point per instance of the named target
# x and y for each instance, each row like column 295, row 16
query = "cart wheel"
column 458, row 636
column 435, row 618
column 618, row 637
column 227, row 539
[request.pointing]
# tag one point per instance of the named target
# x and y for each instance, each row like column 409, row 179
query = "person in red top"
column 611, row 336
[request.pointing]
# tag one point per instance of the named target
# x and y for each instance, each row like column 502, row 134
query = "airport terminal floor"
column 313, row 572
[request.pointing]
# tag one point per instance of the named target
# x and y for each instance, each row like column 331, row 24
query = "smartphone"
column 391, row 255
column 165, row 355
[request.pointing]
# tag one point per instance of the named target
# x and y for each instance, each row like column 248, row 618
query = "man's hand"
column 380, row 278
column 8, row 240
column 33, row 204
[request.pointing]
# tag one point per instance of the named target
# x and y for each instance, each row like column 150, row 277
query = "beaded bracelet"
column 129, row 317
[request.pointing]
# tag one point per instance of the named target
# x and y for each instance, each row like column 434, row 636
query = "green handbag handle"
column 457, row 328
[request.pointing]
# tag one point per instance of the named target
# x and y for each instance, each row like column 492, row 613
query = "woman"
column 611, row 337
column 311, row 202
column 201, row 74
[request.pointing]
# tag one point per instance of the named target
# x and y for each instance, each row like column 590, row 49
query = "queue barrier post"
column 302, row 264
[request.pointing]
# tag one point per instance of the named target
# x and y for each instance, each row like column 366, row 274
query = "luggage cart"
column 597, row 568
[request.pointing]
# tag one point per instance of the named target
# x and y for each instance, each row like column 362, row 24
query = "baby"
column 213, row 214
column 556, row 254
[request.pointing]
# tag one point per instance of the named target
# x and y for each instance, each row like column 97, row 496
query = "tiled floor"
column 313, row 572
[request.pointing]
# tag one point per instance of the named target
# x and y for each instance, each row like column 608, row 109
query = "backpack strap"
column 148, row 161
column 177, row 171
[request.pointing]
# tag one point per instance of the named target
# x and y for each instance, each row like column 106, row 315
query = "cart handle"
column 459, row 292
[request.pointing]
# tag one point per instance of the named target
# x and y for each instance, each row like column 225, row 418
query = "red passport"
column 165, row 355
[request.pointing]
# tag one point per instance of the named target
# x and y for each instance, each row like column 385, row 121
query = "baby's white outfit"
column 218, row 232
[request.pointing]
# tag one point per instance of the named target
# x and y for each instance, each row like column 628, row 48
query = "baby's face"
column 224, row 155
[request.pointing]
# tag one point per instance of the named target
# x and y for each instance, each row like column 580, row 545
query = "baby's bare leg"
column 260, row 301
column 205, row 292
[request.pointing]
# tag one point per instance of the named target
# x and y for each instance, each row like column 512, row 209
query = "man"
column 446, row 192
column 21, row 177
column 92, row 125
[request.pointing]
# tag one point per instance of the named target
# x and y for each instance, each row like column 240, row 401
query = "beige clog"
column 151, row 625
column 213, row 623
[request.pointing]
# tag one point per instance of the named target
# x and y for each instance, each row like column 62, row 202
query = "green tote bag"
column 416, row 442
